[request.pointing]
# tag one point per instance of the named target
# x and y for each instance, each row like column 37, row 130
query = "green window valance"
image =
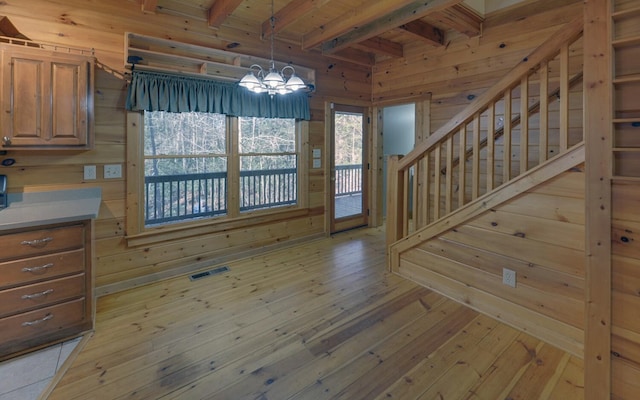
column 152, row 91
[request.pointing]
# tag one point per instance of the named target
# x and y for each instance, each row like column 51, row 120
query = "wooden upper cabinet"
column 47, row 99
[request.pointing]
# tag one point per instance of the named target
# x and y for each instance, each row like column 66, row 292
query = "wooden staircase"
column 501, row 186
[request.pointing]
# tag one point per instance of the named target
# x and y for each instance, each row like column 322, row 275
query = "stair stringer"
column 548, row 302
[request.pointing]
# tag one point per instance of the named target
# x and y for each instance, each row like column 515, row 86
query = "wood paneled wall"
column 625, row 262
column 540, row 236
column 625, row 266
column 465, row 67
column 440, row 257
column 549, row 220
column 102, row 25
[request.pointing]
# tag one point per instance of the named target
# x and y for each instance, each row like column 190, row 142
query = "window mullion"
column 233, row 168
column 135, row 181
column 303, row 150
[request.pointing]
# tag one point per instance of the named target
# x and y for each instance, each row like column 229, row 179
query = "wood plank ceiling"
column 360, row 31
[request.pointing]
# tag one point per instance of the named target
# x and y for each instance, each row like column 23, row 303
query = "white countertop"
column 26, row 210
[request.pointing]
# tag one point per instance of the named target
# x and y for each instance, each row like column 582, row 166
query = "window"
column 199, row 165
column 268, row 170
column 185, row 166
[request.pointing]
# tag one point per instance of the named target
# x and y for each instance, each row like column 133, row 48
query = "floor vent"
column 211, row 272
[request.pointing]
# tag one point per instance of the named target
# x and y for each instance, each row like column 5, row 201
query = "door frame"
column 331, row 225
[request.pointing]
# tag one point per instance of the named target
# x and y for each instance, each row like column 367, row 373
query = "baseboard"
column 191, row 268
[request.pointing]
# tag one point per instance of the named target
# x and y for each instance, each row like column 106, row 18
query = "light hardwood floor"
column 321, row 320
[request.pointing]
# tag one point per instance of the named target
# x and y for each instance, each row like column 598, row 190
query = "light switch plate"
column 89, row 172
column 112, row 171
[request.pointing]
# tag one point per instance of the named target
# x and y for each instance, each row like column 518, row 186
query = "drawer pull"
column 37, row 269
column 37, row 242
column 38, row 321
column 36, row 295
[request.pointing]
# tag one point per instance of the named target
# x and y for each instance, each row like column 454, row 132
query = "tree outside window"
column 190, row 157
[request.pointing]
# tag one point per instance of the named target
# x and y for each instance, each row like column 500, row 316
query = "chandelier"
column 258, row 80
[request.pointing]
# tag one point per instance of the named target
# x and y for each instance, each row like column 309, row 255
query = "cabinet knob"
column 6, row 141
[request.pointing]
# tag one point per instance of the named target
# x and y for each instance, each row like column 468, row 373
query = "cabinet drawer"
column 42, row 322
column 23, row 298
column 35, row 269
column 41, row 241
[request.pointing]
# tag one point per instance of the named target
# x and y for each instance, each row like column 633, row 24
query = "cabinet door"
column 23, row 96
column 46, row 99
column 68, row 93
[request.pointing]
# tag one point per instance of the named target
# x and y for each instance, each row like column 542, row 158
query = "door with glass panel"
column 348, row 168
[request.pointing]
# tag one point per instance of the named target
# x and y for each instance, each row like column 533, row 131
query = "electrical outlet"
column 509, row 277
column 89, row 172
column 112, row 171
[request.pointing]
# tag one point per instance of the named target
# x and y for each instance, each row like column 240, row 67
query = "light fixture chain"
column 273, row 31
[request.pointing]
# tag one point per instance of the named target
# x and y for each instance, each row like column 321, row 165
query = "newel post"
column 395, row 194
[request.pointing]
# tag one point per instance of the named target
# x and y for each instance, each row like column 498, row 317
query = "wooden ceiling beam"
column 178, row 9
column 149, row 6
column 461, row 19
column 424, row 31
column 401, row 16
column 220, row 11
column 289, row 14
column 382, row 46
column 367, row 13
column 354, row 56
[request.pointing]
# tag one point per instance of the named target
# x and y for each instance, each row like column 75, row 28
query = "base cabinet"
column 45, row 286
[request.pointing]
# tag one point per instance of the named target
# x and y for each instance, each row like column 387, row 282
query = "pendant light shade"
column 294, row 83
column 273, row 79
column 250, row 81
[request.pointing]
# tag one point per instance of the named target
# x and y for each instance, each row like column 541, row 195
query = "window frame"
column 139, row 234
column 220, row 129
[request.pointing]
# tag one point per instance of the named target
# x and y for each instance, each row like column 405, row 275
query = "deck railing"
column 172, row 198
column 529, row 116
column 268, row 188
column 348, row 179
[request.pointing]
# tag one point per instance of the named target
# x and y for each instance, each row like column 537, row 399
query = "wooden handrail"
column 533, row 109
column 544, row 52
column 513, row 188
column 432, row 194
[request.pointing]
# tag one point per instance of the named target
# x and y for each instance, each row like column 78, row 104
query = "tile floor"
column 25, row 377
